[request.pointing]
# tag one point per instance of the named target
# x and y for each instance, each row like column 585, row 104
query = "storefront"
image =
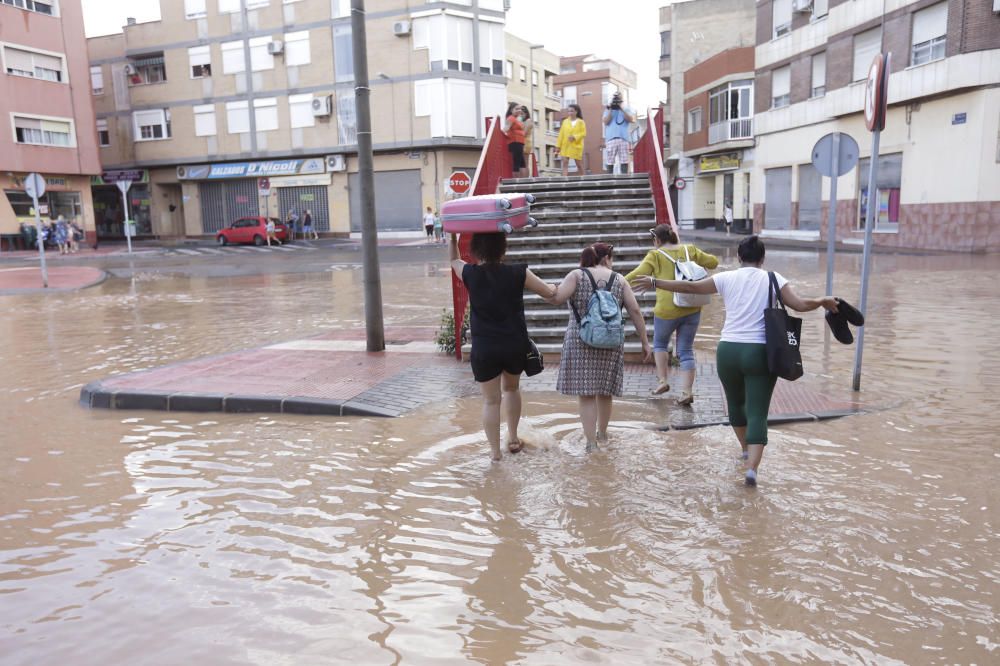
column 299, row 194
column 68, row 196
column 109, row 205
column 723, row 180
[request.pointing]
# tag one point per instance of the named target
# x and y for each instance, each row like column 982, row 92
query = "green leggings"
column 748, row 385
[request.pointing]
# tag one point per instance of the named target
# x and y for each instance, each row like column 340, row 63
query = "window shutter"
column 781, row 82
column 204, row 120
column 199, row 55
column 232, row 58
column 18, row 59
column 866, row 47
column 930, row 23
column 819, row 70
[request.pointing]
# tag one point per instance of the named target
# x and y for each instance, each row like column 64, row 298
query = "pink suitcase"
column 487, row 213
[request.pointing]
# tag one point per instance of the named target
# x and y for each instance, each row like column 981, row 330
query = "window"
column 340, row 8
column 32, row 64
column 780, row 86
column 148, row 69
column 887, row 191
column 297, row 48
column 343, row 53
column 820, row 9
column 524, row 74
column 232, row 58
column 449, row 42
column 97, row 80
column 694, row 120
column 347, row 121
column 665, row 44
column 300, row 110
column 260, row 59
column 567, row 69
column 818, row 88
column 781, row 17
column 40, row 6
column 194, row 9
column 200, row 59
column 491, row 48
column 534, row 116
column 265, row 114
column 229, row 6
column 103, row 136
column 43, row 131
column 607, row 91
column 21, row 203
column 238, row 117
column 255, row 4
column 866, row 46
column 204, row 120
column 534, row 78
column 729, row 112
column 508, row 69
column 152, row 124
column 569, row 95
column 930, row 27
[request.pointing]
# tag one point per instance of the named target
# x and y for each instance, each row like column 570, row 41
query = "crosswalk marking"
column 242, row 249
column 183, row 251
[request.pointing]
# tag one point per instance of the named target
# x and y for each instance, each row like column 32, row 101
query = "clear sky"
column 622, row 30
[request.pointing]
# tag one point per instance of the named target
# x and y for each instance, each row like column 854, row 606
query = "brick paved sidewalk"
column 332, row 374
column 61, row 278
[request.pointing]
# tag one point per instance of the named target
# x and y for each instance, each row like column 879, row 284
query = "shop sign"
column 112, row 177
column 307, row 197
column 251, row 169
column 301, row 181
column 50, row 181
column 719, row 162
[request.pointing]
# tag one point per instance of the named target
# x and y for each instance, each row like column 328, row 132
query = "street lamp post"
column 531, row 84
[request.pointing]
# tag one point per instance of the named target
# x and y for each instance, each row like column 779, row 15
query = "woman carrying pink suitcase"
column 499, row 333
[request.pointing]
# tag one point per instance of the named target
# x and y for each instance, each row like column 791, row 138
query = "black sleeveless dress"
column 499, row 332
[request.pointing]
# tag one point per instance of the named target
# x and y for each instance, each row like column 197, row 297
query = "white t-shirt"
column 745, row 293
column 429, row 220
column 270, row 225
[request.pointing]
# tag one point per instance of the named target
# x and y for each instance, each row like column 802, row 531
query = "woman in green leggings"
column 741, row 358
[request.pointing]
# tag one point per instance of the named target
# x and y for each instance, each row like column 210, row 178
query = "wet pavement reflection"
column 231, row 539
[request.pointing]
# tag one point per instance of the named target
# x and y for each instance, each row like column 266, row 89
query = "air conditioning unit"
column 322, row 106
column 275, row 47
column 401, row 28
column 181, row 172
column 802, row 5
column 336, row 163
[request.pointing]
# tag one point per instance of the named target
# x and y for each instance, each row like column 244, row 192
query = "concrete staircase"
column 573, row 213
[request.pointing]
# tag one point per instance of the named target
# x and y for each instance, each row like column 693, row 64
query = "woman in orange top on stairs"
column 515, row 135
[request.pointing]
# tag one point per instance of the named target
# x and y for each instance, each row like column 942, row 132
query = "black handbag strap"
column 774, row 293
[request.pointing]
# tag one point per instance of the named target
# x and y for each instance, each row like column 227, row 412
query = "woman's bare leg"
column 491, row 414
column 604, row 404
column 588, row 417
column 511, row 406
column 662, row 360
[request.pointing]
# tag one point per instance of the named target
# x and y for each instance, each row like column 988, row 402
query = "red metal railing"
column 494, row 165
column 648, row 158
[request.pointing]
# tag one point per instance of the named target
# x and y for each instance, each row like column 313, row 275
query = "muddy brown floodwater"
column 153, row 538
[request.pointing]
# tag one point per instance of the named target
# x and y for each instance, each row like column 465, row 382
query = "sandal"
column 662, row 387
column 685, row 399
column 515, row 446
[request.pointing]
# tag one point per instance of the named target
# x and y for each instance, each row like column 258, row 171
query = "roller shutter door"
column 778, row 198
column 397, row 201
column 299, row 199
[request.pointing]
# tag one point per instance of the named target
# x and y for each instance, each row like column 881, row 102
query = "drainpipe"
column 248, row 72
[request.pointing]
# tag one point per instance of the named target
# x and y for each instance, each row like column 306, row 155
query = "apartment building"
column 46, row 111
column 938, row 177
column 707, row 63
column 199, row 107
column 531, row 72
column 590, row 82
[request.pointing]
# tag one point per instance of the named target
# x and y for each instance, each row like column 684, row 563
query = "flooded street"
column 168, row 538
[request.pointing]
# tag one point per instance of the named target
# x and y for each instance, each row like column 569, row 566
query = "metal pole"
column 41, row 244
column 831, row 226
column 866, row 261
column 531, row 111
column 374, row 330
column 127, row 225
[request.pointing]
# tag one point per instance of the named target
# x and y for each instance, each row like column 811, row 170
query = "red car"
column 251, row 230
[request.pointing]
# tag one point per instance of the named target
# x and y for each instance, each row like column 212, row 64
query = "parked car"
column 251, row 230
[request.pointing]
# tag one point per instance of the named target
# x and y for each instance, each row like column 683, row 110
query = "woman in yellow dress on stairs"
column 572, row 132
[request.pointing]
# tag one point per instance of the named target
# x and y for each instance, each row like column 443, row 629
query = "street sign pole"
column 123, row 185
column 866, row 260
column 831, row 225
column 34, row 185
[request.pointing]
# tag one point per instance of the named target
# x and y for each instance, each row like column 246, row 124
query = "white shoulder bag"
column 688, row 271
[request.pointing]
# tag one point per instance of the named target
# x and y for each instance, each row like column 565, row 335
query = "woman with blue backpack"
column 592, row 365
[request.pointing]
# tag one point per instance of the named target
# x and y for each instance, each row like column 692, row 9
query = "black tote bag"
column 534, row 362
column 783, row 333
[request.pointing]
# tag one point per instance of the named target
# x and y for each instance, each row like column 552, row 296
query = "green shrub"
column 446, row 333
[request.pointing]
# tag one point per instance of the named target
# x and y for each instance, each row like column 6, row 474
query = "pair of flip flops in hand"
column 838, row 321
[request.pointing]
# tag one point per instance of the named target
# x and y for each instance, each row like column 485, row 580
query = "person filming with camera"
column 617, row 120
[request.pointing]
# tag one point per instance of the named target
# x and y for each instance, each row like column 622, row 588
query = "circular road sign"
column 847, row 155
column 875, row 95
column 459, row 182
column 680, row 183
column 34, row 185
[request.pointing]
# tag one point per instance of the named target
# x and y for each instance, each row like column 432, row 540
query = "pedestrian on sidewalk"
column 595, row 375
column 291, row 222
column 500, row 341
column 62, row 235
column 429, row 225
column 438, row 228
column 308, row 230
column 727, row 216
column 741, row 357
column 617, row 120
column 271, row 235
column 569, row 145
column 661, row 262
column 75, row 236
column 514, row 129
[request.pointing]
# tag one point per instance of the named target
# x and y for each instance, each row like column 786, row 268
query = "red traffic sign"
column 680, row 183
column 264, row 185
column 876, row 92
column 459, row 182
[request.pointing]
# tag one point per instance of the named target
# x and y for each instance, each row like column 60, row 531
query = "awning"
column 144, row 62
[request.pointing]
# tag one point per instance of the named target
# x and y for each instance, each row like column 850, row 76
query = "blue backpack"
column 601, row 327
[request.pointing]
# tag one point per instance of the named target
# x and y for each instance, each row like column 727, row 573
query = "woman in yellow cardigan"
column 570, row 143
column 667, row 317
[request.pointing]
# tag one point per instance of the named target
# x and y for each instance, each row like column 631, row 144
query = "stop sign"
column 459, row 182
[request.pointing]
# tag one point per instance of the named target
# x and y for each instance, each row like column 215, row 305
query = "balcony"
column 730, row 130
